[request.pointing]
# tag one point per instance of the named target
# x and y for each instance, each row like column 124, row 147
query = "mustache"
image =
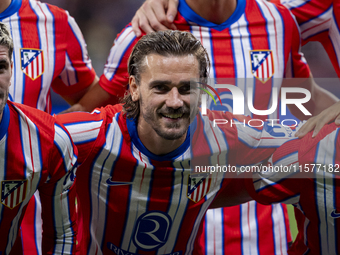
column 169, row 110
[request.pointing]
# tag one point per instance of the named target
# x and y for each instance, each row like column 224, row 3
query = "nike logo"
column 113, row 183
column 334, row 214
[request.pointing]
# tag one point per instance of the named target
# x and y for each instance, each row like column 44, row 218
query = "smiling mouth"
column 173, row 116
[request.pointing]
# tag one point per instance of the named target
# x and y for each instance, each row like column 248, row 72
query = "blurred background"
column 101, row 20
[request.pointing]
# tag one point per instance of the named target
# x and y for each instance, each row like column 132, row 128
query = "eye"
column 161, row 88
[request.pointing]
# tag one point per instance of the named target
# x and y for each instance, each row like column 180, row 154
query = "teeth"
column 173, row 116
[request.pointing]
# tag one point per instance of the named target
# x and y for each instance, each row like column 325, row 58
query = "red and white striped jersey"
column 319, row 21
column 308, row 187
column 37, row 154
column 260, row 42
column 49, row 52
column 134, row 202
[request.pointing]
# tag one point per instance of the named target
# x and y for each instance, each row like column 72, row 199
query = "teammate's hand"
column 155, row 15
column 330, row 114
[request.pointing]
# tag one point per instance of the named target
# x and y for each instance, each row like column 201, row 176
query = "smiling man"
column 137, row 192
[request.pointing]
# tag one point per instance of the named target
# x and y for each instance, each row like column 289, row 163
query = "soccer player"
column 305, row 173
column 232, row 47
column 136, row 191
column 36, row 154
column 49, row 52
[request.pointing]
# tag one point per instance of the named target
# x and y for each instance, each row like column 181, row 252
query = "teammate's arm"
column 58, row 197
column 78, row 75
column 94, row 98
column 155, row 15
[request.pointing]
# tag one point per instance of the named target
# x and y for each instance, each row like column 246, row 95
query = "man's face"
column 166, row 99
column 5, row 77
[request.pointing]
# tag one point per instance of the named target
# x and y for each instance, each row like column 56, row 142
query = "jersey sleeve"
column 277, row 182
column 114, row 79
column 86, row 129
column 57, row 196
column 257, row 140
column 314, row 18
column 78, row 72
column 296, row 66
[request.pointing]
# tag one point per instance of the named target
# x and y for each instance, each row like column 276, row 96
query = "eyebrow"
column 167, row 82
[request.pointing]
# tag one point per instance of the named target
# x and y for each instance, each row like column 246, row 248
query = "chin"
column 171, row 134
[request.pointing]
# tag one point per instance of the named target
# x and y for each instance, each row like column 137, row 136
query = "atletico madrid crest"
column 32, row 62
column 198, row 186
column 13, row 192
column 262, row 64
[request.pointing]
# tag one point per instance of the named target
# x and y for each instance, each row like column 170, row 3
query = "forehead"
column 172, row 68
column 4, row 51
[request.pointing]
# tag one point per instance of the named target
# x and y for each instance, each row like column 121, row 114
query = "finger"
column 307, row 127
column 135, row 25
column 157, row 8
column 172, row 10
column 337, row 120
column 144, row 22
column 153, row 21
column 320, row 123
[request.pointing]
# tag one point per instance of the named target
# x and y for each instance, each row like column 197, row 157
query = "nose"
column 174, row 99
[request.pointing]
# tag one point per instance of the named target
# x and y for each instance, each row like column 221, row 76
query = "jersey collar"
column 11, row 9
column 192, row 16
column 132, row 128
column 4, row 122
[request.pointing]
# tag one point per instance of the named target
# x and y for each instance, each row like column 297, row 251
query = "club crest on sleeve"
column 32, row 62
column 262, row 64
column 13, row 192
column 198, row 186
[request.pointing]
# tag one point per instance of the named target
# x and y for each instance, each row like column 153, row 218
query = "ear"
column 134, row 88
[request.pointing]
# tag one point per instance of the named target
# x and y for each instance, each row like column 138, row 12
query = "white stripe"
column 203, row 35
column 47, row 45
column 68, row 75
column 61, row 216
column 279, row 229
column 261, row 138
column 96, row 183
column 41, row 62
column 325, row 195
column 139, row 198
column 241, row 49
column 179, row 203
column 214, row 229
column 116, row 52
column 82, row 132
column 114, row 135
column 314, row 26
column 277, row 43
column 29, row 154
column 334, row 36
column 75, row 28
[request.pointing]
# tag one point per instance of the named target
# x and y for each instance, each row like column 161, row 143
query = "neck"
column 215, row 11
column 156, row 144
column 4, row 4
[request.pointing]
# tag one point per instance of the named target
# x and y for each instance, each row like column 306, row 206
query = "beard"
column 171, row 131
column 3, row 98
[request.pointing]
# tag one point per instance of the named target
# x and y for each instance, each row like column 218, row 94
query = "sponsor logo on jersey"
column 262, row 64
column 13, row 192
column 334, row 214
column 32, row 62
column 115, row 183
column 120, row 251
column 198, row 186
column 152, row 230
